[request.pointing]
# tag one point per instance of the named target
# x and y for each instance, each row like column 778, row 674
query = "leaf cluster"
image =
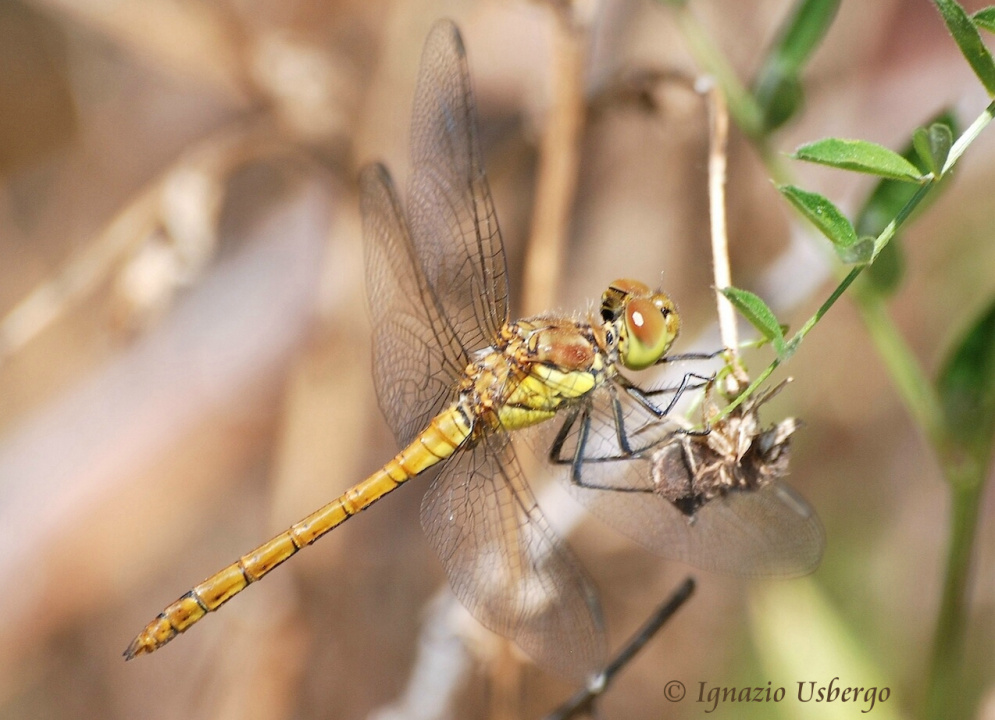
column 906, row 179
column 956, row 410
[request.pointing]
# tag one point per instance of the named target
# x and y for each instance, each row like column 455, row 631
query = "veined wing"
column 454, row 226
column 507, row 566
column 416, row 354
column 604, row 428
column 762, row 530
column 766, row 532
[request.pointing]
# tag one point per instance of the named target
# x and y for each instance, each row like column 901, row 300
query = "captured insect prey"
column 714, row 499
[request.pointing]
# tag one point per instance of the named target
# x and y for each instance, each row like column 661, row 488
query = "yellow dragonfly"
column 457, row 380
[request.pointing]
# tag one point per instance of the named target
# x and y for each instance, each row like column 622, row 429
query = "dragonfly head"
column 645, row 322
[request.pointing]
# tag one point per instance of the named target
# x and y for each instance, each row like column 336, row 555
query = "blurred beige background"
column 184, row 355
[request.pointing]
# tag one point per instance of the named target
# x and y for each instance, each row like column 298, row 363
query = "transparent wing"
column 607, row 426
column 507, row 566
column 416, row 354
column 454, row 226
column 766, row 531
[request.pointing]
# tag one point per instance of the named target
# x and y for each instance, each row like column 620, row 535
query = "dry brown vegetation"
column 184, row 347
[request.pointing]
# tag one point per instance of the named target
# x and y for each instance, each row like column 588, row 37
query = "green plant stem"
column 743, row 108
column 968, row 136
column 793, row 343
column 891, row 228
column 919, row 396
column 915, row 389
column 913, row 386
column 965, row 480
column 836, row 294
column 943, row 693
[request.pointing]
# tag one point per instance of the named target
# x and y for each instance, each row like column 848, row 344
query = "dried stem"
column 182, row 204
column 718, row 134
column 559, row 158
column 582, row 703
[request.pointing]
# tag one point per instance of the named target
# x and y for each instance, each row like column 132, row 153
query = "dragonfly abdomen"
column 444, row 434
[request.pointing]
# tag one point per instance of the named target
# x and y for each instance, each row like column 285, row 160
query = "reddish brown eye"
column 614, row 299
column 645, row 321
column 650, row 326
column 629, row 286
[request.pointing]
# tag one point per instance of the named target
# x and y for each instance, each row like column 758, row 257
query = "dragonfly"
column 461, row 384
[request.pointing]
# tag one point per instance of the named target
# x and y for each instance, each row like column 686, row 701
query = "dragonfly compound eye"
column 614, row 299
column 649, row 328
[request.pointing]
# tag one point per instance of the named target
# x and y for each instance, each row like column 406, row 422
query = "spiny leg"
column 577, row 459
column 556, row 449
column 685, row 357
column 690, row 381
column 625, row 449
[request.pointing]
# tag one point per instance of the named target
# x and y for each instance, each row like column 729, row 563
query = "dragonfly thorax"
column 643, row 324
column 538, row 366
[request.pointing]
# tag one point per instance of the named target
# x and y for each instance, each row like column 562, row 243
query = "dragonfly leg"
column 620, row 433
column 556, row 449
column 690, row 381
column 578, row 458
column 625, row 453
column 683, row 357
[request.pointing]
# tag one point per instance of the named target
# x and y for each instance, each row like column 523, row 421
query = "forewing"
column 453, row 222
column 507, row 566
column 416, row 355
column 767, row 531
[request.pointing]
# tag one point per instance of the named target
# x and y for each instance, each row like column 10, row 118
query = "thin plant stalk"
column 559, row 160
column 911, row 382
column 718, row 140
column 943, row 688
column 582, row 702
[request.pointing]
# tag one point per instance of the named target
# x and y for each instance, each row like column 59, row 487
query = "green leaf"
column 779, row 99
column 933, row 146
column 969, row 41
column 920, row 141
column 777, row 87
column 825, row 216
column 883, row 204
column 940, row 141
column 985, row 19
column 861, row 156
column 760, row 316
column 860, row 253
column 966, row 386
column 802, row 32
